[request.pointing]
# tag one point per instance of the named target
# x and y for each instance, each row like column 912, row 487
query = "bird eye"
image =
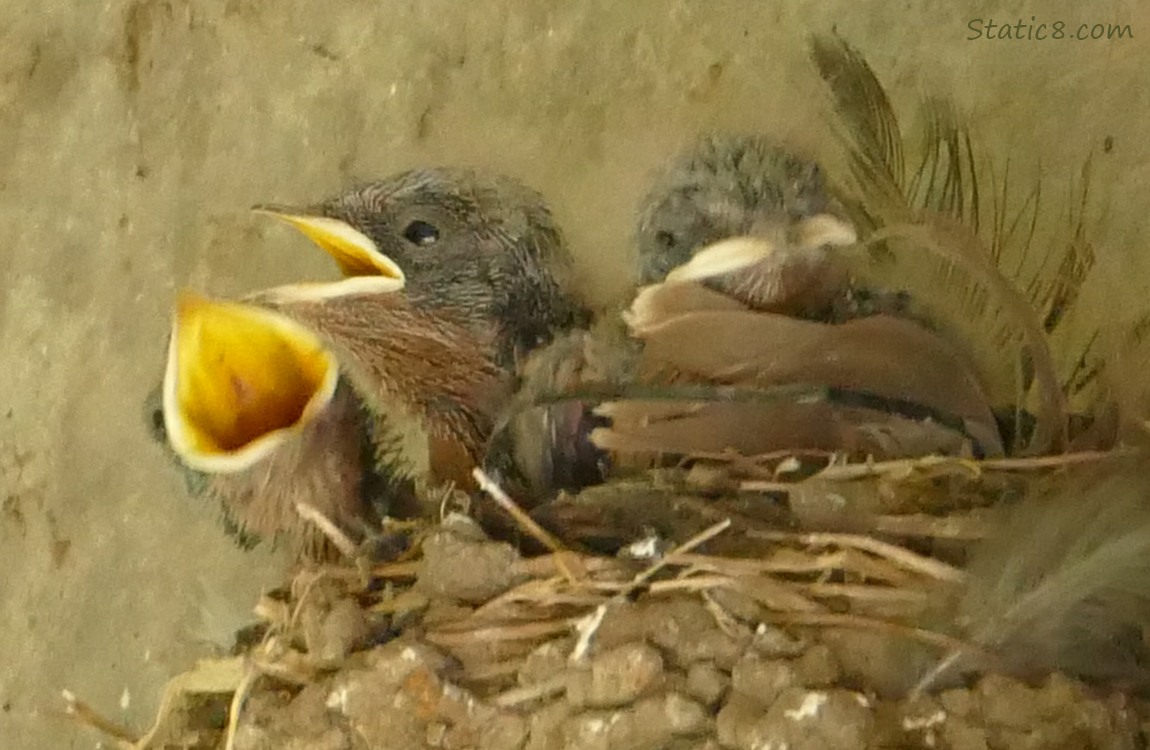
column 421, row 233
column 665, row 239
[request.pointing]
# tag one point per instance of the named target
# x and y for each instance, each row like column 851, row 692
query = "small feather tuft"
column 1065, row 584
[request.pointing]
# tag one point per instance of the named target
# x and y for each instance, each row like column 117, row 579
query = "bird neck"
column 532, row 318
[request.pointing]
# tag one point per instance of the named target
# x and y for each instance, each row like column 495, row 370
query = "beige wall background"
column 134, row 134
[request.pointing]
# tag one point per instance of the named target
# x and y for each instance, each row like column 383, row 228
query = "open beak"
column 355, row 252
column 240, row 381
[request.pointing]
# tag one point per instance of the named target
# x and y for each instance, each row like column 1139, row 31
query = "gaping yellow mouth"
column 239, row 381
column 355, row 252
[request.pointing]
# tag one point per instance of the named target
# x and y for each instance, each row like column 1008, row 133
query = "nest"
column 739, row 636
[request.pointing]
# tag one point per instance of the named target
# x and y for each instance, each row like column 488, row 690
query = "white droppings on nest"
column 926, row 725
column 916, row 723
column 772, row 745
column 599, row 725
column 862, row 700
column 409, row 654
column 644, row 549
column 337, row 700
column 125, row 700
column 788, row 465
column 458, row 694
column 810, row 707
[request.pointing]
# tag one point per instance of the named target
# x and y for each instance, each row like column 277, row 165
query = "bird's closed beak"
column 355, row 252
column 240, row 381
column 723, row 257
column 737, row 253
column 656, row 301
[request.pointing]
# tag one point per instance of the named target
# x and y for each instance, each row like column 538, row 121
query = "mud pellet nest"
column 469, row 644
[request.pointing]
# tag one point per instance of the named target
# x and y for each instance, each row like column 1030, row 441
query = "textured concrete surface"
column 135, row 133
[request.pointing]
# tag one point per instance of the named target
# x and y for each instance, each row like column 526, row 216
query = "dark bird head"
column 481, row 244
column 725, row 186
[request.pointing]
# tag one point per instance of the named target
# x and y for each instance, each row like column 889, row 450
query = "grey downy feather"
column 1064, row 584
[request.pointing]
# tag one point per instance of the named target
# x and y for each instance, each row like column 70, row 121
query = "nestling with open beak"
column 484, row 270
column 470, row 283
column 253, row 406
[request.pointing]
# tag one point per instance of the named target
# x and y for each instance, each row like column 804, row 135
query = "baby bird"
column 451, row 277
column 485, row 282
column 253, row 407
column 744, row 253
column 728, row 186
column 481, row 246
